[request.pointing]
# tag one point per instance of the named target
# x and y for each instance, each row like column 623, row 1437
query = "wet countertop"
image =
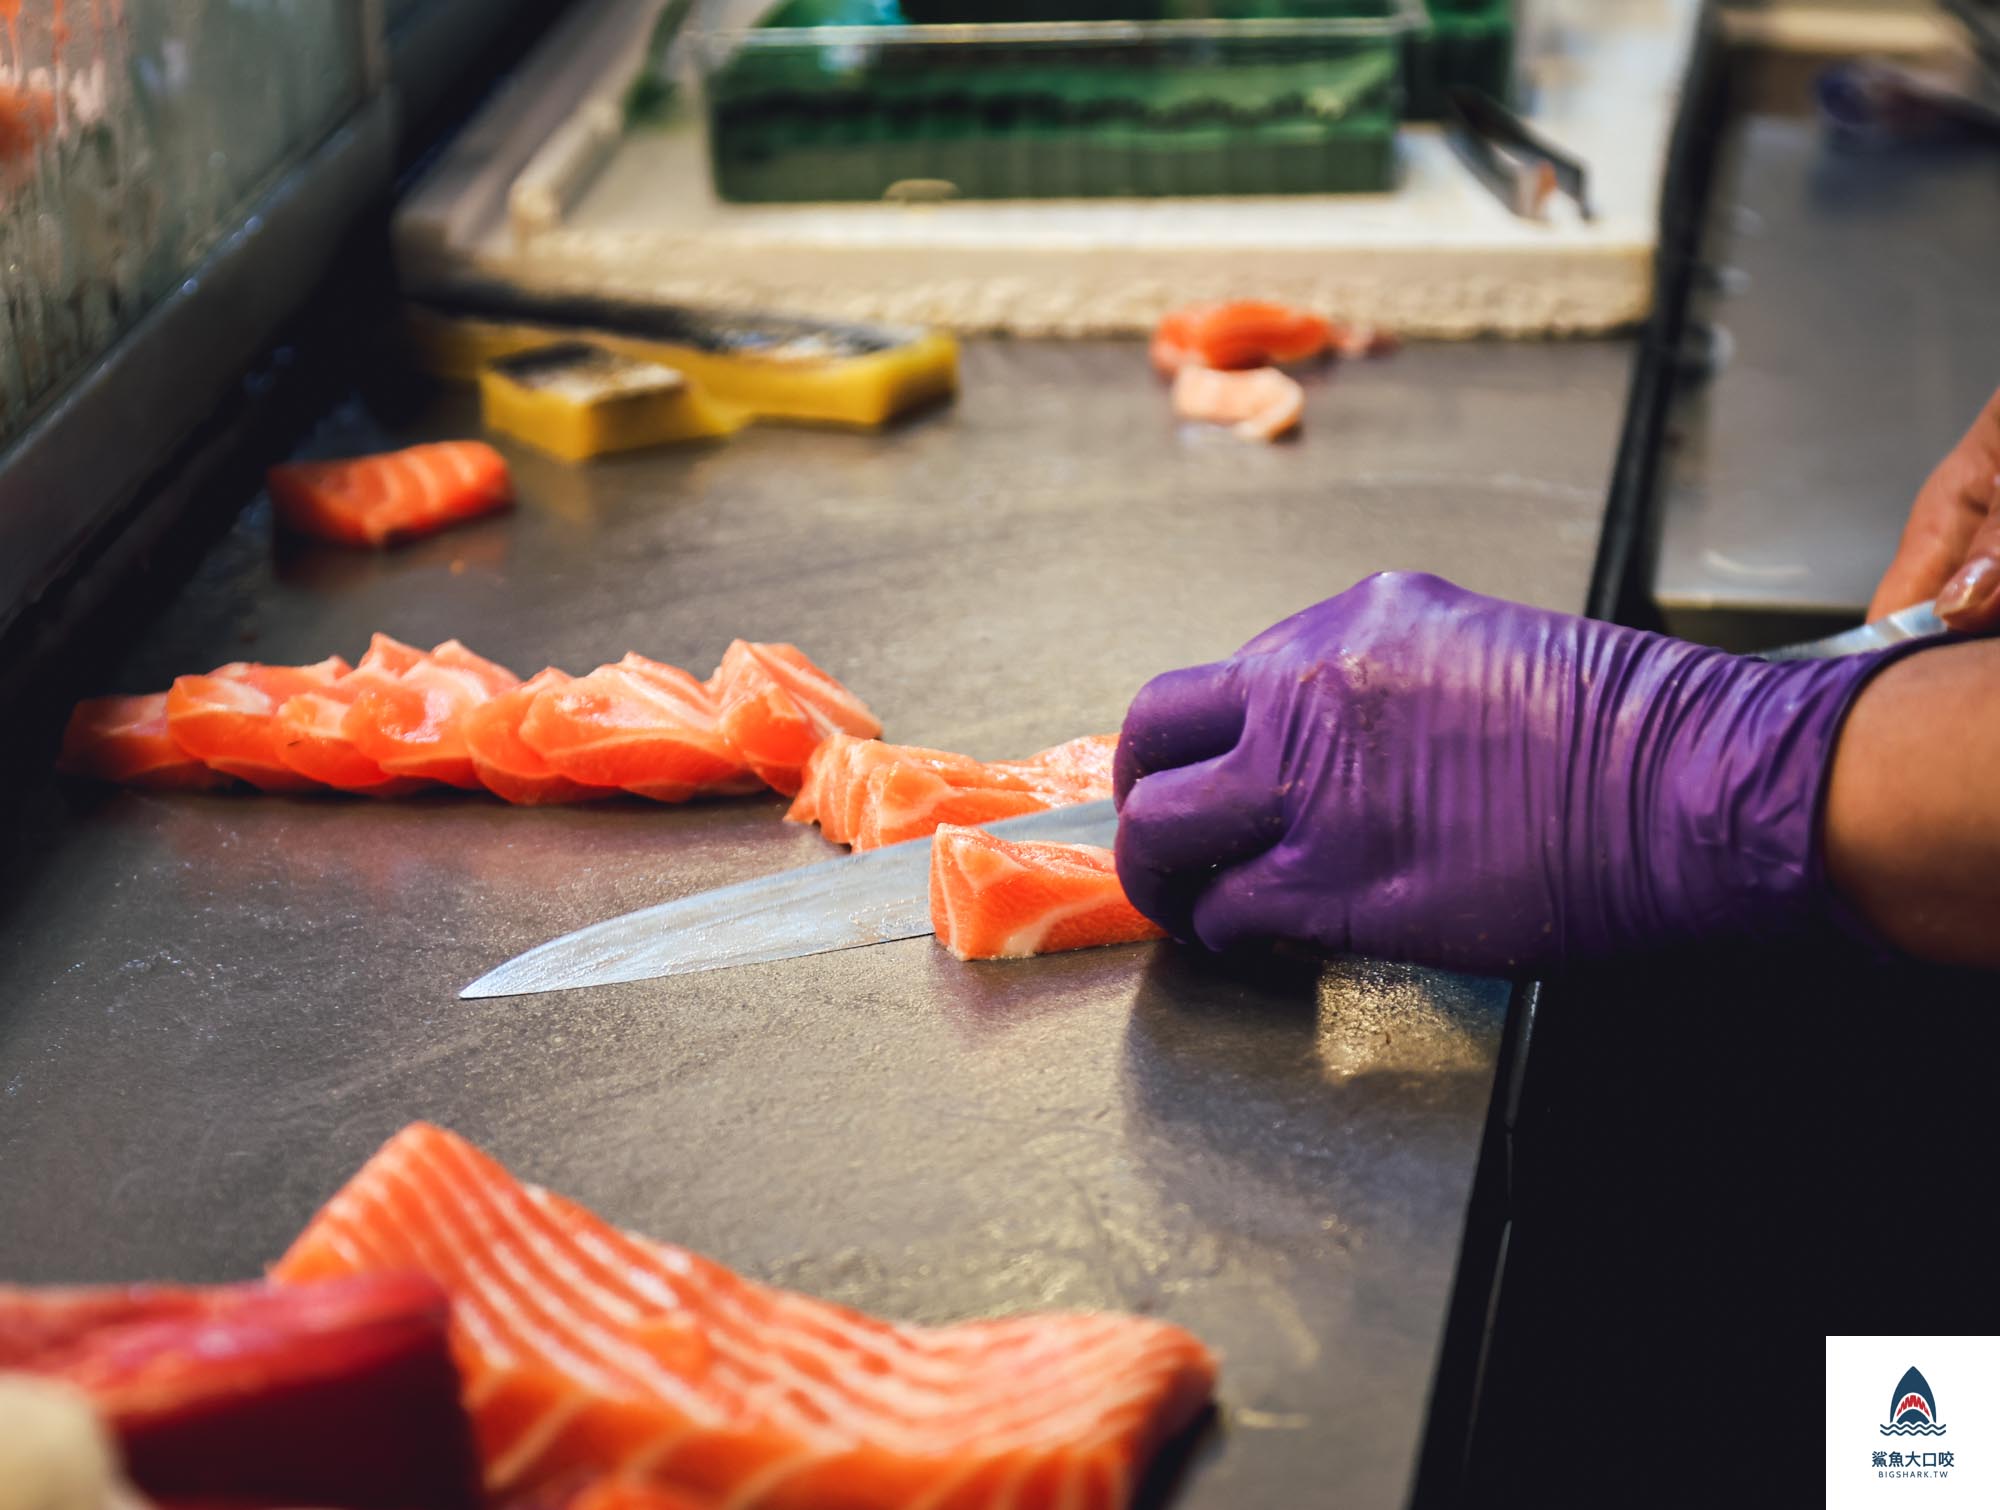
column 214, row 1007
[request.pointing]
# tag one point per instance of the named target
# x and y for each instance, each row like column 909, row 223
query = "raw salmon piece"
column 341, row 1393
column 315, row 742
column 995, row 899
column 1080, row 768
column 1258, row 405
column 1239, row 334
column 370, row 500
column 647, row 728
column 504, row 762
column 407, row 721
column 229, row 718
column 389, row 656
column 585, row 1348
column 776, row 707
column 856, row 794
column 908, row 802
column 126, row 739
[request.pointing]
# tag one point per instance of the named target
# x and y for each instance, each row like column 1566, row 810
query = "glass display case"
column 133, row 134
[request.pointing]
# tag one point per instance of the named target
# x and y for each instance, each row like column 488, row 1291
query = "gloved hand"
column 1414, row 771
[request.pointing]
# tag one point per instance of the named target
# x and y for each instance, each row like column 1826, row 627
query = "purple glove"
column 1413, row 771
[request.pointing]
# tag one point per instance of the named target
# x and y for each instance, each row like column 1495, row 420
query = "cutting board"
column 549, row 189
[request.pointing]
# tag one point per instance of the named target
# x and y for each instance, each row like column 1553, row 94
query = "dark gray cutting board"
column 213, row 1008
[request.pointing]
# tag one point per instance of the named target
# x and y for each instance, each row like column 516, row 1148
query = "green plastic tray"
column 844, row 100
column 1468, row 42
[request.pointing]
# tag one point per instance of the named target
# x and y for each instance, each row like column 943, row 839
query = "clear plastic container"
column 847, row 100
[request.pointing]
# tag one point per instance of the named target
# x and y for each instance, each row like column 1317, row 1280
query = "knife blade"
column 1909, row 624
column 860, row 899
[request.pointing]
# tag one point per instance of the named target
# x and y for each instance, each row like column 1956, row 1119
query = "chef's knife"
column 882, row 895
column 840, row 904
column 1911, row 624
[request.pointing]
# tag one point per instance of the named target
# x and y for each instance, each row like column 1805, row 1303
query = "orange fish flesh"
column 587, row 1349
column 126, row 739
column 228, row 719
column 993, row 898
column 371, row 500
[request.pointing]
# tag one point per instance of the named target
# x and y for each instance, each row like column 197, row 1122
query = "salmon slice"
column 996, row 899
column 1258, row 405
column 903, row 802
column 1238, row 334
column 505, row 763
column 315, row 742
column 228, row 719
column 1080, row 766
column 642, row 726
column 126, row 739
column 867, row 793
column 341, row 1393
column 586, row 1349
column 776, row 707
column 407, row 721
column 371, row 500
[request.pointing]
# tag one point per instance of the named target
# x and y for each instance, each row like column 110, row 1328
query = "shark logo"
column 1913, row 1409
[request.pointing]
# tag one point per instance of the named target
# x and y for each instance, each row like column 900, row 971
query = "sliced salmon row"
column 1247, row 333
column 865, row 793
column 588, row 1351
column 397, row 495
column 405, row 718
column 341, row 1393
column 992, row 898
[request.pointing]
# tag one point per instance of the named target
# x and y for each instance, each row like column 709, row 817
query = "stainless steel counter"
column 1862, row 318
column 212, row 1008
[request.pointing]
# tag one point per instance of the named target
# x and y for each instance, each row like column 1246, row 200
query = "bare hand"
column 1951, row 547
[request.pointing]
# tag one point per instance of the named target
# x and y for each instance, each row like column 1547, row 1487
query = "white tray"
column 548, row 190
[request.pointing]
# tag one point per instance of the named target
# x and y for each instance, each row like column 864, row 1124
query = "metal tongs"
column 1523, row 171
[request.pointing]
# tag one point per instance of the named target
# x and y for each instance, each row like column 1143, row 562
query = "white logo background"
column 1861, row 1374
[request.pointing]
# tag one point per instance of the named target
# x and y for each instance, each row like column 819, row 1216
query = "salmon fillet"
column 995, row 899
column 371, row 500
column 586, row 1349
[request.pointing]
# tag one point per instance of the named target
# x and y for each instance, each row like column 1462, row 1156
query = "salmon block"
column 338, row 1393
column 1261, row 404
column 371, row 500
column 228, row 719
column 505, row 763
column 639, row 725
column 407, row 720
column 776, row 707
column 584, row 1348
column 996, row 899
column 1237, row 334
column 126, row 739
